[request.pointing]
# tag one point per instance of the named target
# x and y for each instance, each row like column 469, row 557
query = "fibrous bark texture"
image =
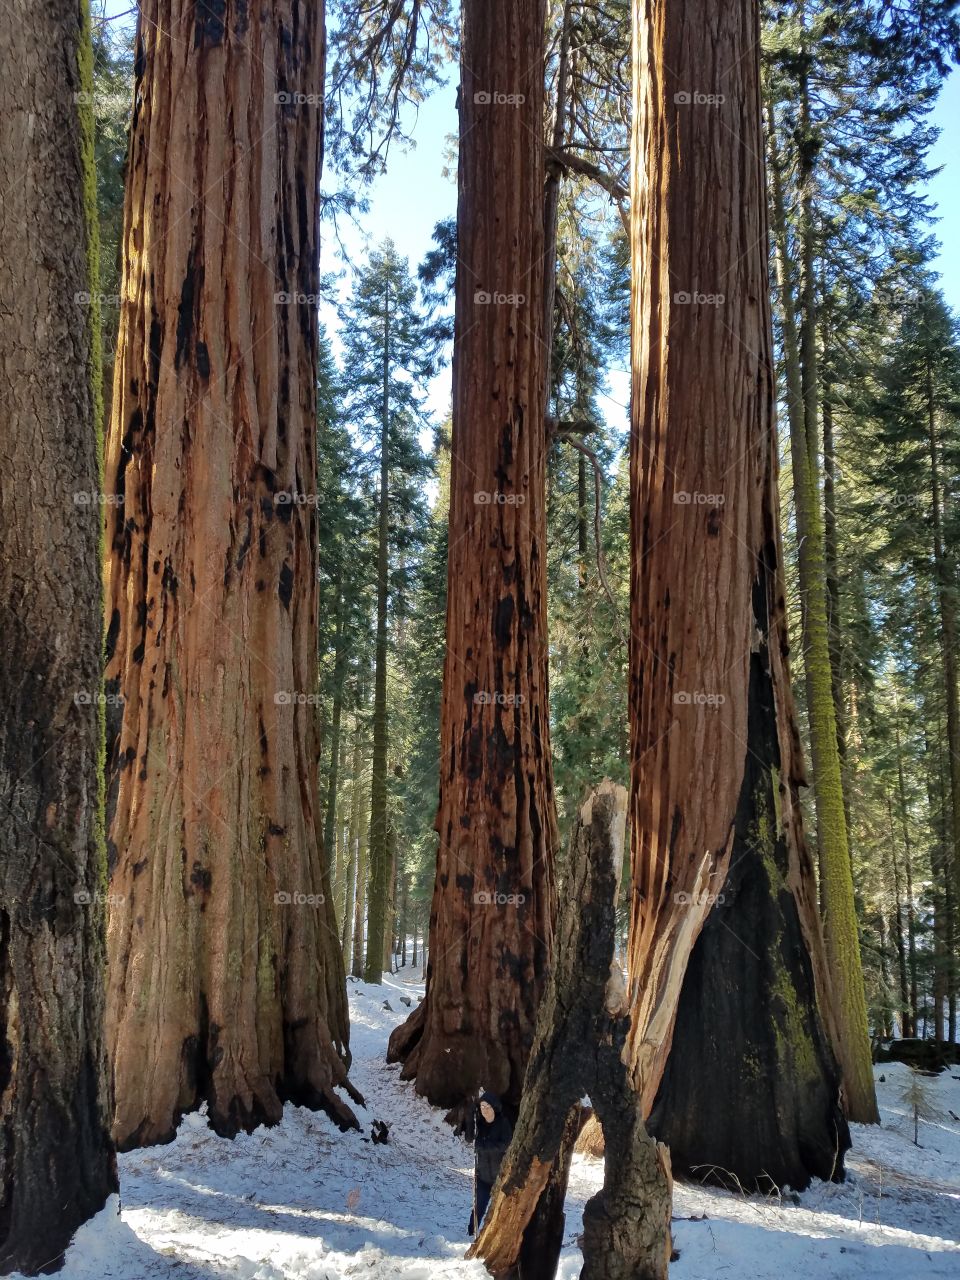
column 226, row 978
column 491, row 921
column 57, row 1164
column 708, row 683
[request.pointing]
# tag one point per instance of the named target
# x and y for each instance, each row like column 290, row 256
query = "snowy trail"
column 304, row 1202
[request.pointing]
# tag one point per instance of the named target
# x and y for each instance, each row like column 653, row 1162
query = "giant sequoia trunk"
column 57, row 1165
column 493, row 901
column 226, row 980
column 751, row 1092
column 715, row 759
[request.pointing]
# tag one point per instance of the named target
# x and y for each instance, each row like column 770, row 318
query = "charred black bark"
column 751, row 1089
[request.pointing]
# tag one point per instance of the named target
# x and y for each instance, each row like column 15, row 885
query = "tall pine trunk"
column 378, row 888
column 494, row 895
column 908, row 872
column 710, row 707
column 57, row 1164
column 360, row 898
column 946, row 602
column 226, row 985
column 330, row 842
column 852, row 1041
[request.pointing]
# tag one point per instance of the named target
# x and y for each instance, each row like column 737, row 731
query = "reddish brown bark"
column 493, row 901
column 707, row 592
column 226, row 981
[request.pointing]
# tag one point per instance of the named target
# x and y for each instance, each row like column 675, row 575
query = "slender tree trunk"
column 946, row 599
column 494, row 895
column 379, row 835
column 330, row 842
column 906, row 1022
column 360, row 901
column 836, row 878
column 390, row 923
column 908, row 870
column 57, row 1164
column 351, row 879
column 225, row 983
column 939, row 858
column 404, row 919
column 551, row 194
column 831, row 563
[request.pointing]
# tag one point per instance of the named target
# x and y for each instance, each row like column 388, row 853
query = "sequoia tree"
column 57, row 1165
column 226, row 978
column 715, row 759
column 493, row 901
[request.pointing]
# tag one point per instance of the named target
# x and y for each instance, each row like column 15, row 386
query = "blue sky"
column 413, row 195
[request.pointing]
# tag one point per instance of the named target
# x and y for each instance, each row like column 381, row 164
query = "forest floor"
column 304, row 1202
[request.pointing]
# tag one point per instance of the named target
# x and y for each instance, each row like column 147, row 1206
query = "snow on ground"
column 304, row 1202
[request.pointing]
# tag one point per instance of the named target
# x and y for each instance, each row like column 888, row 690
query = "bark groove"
column 226, row 978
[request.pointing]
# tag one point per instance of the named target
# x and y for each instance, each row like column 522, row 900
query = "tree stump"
column 578, row 1048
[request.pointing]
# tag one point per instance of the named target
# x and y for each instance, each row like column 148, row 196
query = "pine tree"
column 386, row 359
column 57, row 1163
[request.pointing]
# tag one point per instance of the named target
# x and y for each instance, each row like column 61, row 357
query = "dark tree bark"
column 57, row 1164
column 581, row 1031
column 751, row 1091
column 226, row 980
column 494, row 895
